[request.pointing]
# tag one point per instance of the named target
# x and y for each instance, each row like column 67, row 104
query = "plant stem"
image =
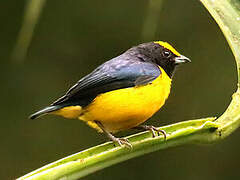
column 99, row 157
column 31, row 16
column 151, row 19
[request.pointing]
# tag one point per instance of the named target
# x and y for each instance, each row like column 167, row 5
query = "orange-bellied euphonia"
column 123, row 92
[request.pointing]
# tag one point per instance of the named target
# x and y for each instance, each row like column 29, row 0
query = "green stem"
column 151, row 19
column 99, row 157
column 227, row 15
column 32, row 13
column 206, row 130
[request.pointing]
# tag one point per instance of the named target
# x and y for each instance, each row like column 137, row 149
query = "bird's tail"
column 44, row 111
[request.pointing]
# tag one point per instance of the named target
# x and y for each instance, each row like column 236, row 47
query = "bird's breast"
column 125, row 108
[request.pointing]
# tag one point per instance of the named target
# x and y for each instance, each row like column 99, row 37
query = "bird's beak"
column 181, row 59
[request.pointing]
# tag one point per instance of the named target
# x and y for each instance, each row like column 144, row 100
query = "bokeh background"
column 71, row 38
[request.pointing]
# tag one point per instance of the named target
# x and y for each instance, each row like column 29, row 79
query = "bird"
column 123, row 92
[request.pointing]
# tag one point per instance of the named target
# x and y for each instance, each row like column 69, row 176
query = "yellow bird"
column 123, row 92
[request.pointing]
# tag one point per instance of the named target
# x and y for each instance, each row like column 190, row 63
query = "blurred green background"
column 70, row 40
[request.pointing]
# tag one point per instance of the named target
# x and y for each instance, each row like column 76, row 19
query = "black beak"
column 181, row 59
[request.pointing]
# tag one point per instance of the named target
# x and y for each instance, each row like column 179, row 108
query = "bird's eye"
column 166, row 54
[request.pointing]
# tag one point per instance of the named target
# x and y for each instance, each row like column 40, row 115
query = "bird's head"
column 162, row 54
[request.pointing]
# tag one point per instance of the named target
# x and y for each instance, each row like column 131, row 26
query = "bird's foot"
column 153, row 129
column 122, row 142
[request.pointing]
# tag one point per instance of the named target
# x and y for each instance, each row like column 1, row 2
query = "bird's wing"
column 112, row 75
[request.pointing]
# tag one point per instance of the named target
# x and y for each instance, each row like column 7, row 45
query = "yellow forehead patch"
column 168, row 46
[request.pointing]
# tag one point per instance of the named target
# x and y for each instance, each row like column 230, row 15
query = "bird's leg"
column 152, row 129
column 119, row 141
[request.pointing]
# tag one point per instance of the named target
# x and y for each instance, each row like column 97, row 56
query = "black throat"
column 169, row 69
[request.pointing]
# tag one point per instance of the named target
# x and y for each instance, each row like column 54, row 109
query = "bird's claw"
column 123, row 141
column 153, row 129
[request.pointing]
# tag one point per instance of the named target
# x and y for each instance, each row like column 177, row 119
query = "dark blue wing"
column 120, row 72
